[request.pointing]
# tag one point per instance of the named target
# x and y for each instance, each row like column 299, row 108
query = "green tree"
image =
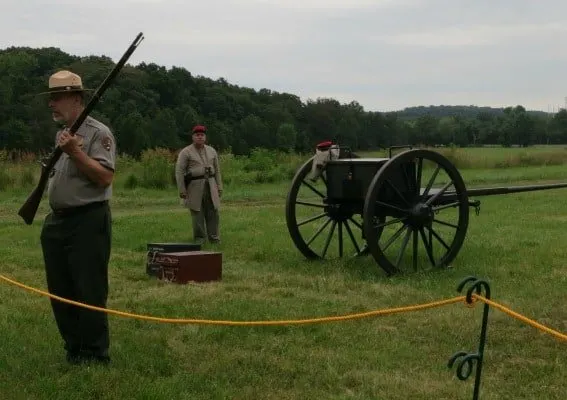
column 132, row 134
column 286, row 137
column 164, row 131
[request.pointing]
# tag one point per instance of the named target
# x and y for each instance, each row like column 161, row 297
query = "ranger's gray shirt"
column 68, row 186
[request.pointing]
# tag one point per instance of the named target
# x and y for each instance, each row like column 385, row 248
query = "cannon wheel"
column 437, row 215
column 320, row 230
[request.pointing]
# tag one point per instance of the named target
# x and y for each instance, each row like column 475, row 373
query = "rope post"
column 467, row 360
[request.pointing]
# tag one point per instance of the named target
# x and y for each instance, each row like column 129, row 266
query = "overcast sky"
column 385, row 54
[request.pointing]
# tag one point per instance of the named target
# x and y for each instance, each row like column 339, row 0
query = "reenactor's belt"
column 188, row 178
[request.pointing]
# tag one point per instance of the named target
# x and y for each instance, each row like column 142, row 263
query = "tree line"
column 150, row 106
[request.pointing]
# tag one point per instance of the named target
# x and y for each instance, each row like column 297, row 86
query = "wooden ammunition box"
column 185, row 266
column 349, row 180
column 153, row 269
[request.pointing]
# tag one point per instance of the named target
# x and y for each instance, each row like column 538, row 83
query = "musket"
column 29, row 208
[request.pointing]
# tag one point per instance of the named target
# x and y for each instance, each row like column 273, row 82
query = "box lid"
column 192, row 253
column 170, row 244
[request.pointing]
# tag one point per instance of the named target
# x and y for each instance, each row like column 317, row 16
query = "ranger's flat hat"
column 65, row 82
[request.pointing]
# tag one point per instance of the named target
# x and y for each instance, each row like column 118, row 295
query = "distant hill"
column 451, row 111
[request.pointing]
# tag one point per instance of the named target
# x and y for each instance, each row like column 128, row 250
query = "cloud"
column 478, row 35
column 385, row 54
column 303, row 5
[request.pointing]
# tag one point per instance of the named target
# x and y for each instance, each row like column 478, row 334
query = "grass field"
column 517, row 243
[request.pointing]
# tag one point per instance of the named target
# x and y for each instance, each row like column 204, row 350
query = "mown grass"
column 516, row 243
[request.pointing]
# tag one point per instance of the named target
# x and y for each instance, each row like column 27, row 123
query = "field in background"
column 155, row 169
column 497, row 157
column 517, row 243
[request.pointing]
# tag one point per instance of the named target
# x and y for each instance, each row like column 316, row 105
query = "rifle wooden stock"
column 29, row 208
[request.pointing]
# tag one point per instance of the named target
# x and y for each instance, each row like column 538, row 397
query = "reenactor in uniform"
column 76, row 234
column 199, row 182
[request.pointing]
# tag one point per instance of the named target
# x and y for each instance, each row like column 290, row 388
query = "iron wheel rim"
column 416, row 213
column 337, row 230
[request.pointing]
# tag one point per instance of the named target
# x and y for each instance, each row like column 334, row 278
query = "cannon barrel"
column 450, row 195
column 512, row 189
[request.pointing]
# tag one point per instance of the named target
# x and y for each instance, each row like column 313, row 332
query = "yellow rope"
column 241, row 323
column 389, row 311
column 520, row 317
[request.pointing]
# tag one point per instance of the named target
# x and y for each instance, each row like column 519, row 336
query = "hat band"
column 59, row 88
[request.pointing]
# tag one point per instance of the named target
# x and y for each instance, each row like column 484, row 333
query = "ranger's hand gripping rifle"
column 29, row 209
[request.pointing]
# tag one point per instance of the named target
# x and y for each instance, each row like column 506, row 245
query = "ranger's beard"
column 59, row 121
column 61, row 118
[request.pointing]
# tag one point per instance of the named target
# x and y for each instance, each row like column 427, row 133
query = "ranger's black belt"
column 70, row 211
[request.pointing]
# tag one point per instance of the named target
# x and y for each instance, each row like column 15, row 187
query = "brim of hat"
column 65, row 91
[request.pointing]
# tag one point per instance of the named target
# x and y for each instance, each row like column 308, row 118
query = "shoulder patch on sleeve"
column 106, row 142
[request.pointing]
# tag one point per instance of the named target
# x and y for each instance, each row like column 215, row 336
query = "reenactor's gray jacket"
column 198, row 166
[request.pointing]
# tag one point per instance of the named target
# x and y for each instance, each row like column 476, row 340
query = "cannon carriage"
column 409, row 211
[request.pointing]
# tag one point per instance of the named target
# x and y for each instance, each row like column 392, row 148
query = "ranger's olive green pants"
column 206, row 221
column 76, row 251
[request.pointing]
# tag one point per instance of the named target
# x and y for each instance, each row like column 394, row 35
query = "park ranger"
column 198, row 177
column 76, row 234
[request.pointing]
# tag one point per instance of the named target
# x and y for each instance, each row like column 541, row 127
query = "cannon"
column 409, row 211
